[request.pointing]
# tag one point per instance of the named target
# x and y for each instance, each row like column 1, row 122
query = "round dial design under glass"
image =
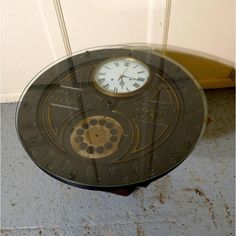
column 121, row 76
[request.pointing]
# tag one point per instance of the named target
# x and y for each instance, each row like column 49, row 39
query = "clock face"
column 121, row 76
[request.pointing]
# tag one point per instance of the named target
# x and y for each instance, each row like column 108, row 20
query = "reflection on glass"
column 111, row 117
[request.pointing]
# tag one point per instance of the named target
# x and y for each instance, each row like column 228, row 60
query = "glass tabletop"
column 111, row 117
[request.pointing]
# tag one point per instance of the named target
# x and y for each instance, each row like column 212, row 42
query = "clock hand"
column 124, row 71
column 122, row 83
column 129, row 77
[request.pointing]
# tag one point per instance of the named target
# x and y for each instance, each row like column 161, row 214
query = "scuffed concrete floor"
column 197, row 198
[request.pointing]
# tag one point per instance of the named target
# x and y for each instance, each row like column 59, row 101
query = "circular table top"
column 89, row 139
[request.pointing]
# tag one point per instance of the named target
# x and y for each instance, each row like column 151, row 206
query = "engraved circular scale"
column 111, row 118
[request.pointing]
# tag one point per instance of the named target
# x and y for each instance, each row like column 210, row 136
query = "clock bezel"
column 112, row 94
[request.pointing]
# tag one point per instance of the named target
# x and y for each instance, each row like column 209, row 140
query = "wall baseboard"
column 9, row 97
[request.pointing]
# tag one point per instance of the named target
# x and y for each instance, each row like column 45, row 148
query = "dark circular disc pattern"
column 86, row 138
column 95, row 135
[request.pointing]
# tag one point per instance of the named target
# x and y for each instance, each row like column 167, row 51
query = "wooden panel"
column 210, row 73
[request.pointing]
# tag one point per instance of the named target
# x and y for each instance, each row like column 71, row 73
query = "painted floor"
column 197, row 198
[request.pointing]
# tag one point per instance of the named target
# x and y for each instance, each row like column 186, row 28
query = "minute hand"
column 130, row 77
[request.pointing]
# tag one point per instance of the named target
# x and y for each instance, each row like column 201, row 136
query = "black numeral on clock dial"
column 106, row 86
column 126, row 63
column 136, row 85
column 101, row 80
column 115, row 90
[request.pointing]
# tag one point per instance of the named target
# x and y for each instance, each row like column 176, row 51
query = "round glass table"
column 111, row 118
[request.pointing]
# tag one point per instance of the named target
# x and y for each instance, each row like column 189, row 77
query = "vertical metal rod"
column 150, row 21
column 67, row 46
column 166, row 26
column 66, row 41
column 61, row 21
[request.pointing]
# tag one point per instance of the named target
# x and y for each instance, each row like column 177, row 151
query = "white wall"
column 204, row 25
column 30, row 41
column 31, row 37
column 103, row 22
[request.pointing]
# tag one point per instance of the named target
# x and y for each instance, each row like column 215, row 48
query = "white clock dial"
column 121, row 76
